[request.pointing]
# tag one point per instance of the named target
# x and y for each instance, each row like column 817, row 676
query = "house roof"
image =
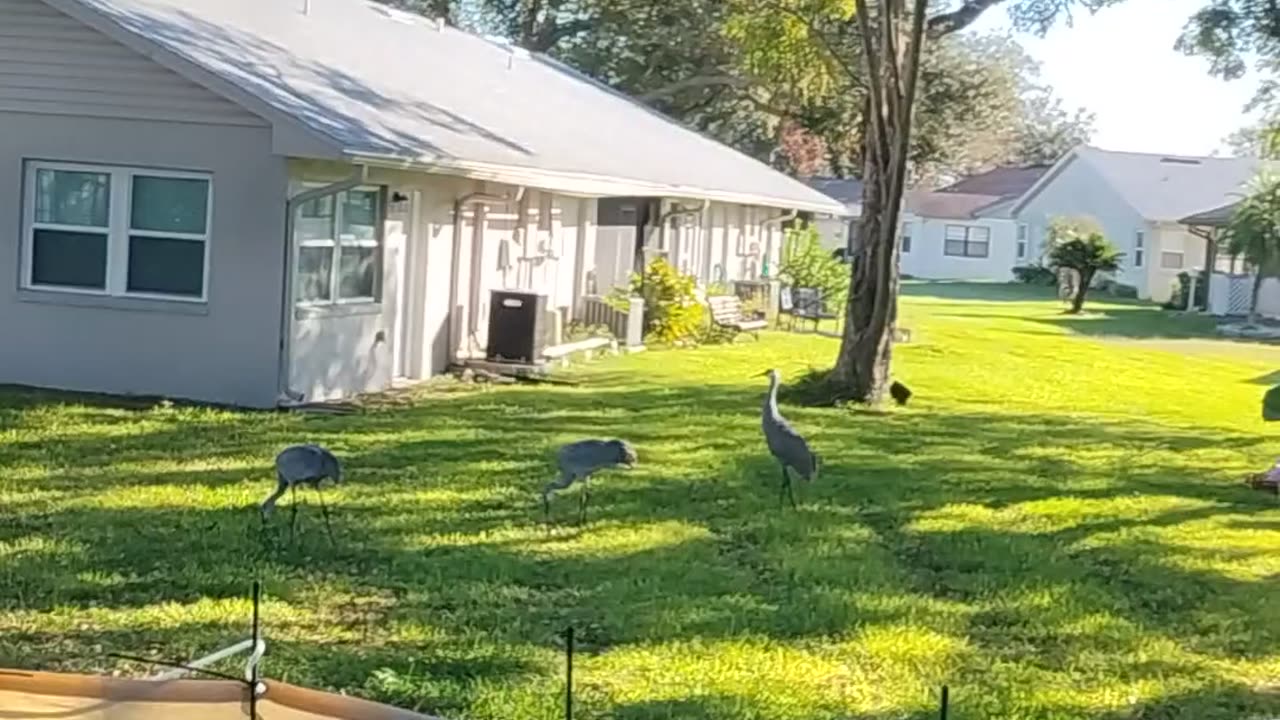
column 1006, row 182
column 846, row 190
column 380, row 85
column 1216, row 217
column 954, row 205
column 1161, row 187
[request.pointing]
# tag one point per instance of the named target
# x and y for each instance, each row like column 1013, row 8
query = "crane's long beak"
column 766, row 372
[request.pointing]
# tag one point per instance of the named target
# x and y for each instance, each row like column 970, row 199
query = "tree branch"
column 550, row 35
column 834, row 58
column 690, row 83
column 958, row 19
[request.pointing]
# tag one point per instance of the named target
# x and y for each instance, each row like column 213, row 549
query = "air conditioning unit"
column 517, row 326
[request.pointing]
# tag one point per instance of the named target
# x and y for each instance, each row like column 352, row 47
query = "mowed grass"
column 1055, row 528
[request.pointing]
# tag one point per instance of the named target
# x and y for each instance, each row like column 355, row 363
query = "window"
column 1022, row 241
column 117, row 231
column 906, row 237
column 339, row 248
column 1171, row 260
column 966, row 241
column 1139, row 241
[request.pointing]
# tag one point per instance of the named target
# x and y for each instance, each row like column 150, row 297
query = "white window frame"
column 968, row 230
column 907, row 240
column 337, row 243
column 118, row 230
column 1023, row 236
column 1139, row 247
column 1182, row 259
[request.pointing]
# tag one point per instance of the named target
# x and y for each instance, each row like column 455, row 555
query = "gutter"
column 286, row 395
column 455, row 260
column 590, row 185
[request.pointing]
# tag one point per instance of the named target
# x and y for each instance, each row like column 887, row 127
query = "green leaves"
column 1085, row 251
column 1254, row 230
column 806, row 264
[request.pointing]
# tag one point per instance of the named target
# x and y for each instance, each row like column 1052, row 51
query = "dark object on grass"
column 303, row 464
column 1263, row 481
column 899, row 393
column 1271, row 405
column 577, row 461
column 785, row 443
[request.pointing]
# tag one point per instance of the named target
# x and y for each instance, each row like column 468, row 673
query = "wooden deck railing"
column 625, row 325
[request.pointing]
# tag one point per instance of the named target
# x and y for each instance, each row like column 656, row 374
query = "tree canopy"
column 779, row 79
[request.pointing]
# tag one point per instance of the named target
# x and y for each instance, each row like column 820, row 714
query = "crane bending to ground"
column 303, row 464
column 577, row 461
column 785, row 443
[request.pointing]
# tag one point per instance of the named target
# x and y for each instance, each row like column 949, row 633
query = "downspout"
column 768, row 243
column 360, row 176
column 674, row 212
column 456, row 260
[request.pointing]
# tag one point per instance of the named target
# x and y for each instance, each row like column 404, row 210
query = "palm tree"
column 1254, row 233
column 1087, row 252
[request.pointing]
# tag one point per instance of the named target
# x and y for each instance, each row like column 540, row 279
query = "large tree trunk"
column 871, row 311
column 891, row 41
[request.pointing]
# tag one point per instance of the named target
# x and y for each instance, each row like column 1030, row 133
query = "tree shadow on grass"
column 439, row 523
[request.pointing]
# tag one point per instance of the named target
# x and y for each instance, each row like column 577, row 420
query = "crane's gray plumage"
column 577, row 461
column 303, row 465
column 785, row 443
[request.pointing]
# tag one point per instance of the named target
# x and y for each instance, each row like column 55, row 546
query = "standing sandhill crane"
column 577, row 461
column 785, row 443
column 303, row 464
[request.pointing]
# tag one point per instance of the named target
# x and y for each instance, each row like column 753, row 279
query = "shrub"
column 1035, row 275
column 1085, row 250
column 806, row 264
column 672, row 312
column 581, row 331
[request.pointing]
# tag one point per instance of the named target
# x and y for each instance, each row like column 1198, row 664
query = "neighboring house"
column 1138, row 200
column 839, row 233
column 965, row 230
column 256, row 202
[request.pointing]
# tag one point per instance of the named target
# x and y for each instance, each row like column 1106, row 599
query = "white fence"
column 627, row 326
column 1230, row 294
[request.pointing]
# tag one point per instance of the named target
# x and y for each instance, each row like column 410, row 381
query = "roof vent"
column 1179, row 161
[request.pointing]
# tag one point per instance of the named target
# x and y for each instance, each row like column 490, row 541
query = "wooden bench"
column 726, row 312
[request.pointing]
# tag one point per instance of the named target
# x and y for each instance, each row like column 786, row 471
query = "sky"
column 1120, row 63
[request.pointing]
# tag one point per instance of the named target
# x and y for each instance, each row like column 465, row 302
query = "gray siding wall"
column 51, row 63
column 223, row 351
column 1079, row 191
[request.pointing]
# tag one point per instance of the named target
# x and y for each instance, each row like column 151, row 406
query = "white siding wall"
column 1172, row 238
column 927, row 258
column 52, row 64
column 1079, row 191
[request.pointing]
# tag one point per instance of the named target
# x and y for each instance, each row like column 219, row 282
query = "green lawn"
column 1055, row 528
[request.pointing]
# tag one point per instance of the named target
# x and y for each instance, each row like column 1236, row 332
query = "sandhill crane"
column 785, row 443
column 577, row 461
column 303, row 464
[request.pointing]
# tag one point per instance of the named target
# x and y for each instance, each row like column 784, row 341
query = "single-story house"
column 839, row 233
column 255, row 202
column 965, row 231
column 1138, row 200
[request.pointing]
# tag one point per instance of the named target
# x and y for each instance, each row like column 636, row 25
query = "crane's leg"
column 324, row 510
column 562, row 481
column 293, row 511
column 583, row 499
column 786, row 490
